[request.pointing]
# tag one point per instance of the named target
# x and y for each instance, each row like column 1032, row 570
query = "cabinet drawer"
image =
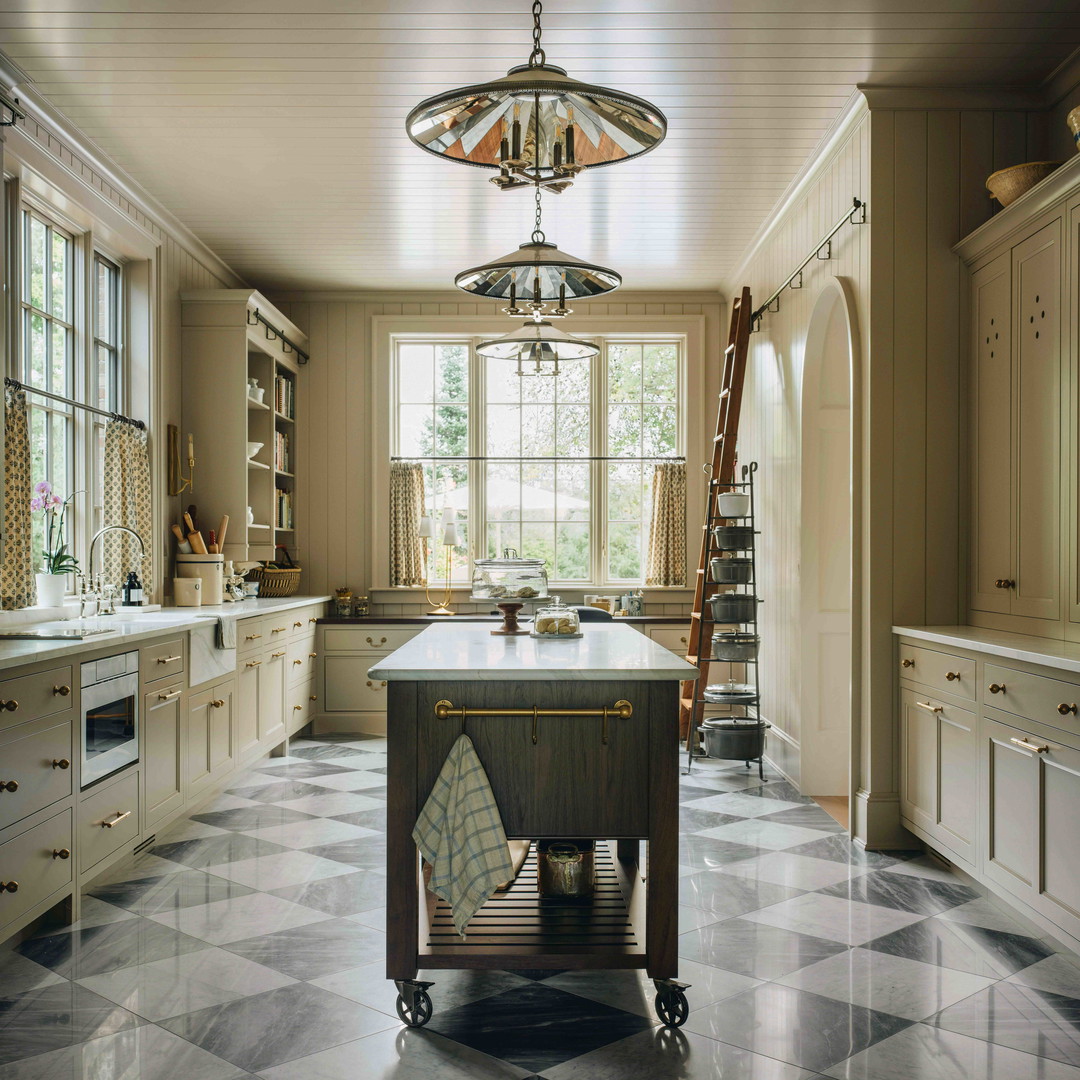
column 944, row 672
column 1049, row 701
column 303, row 620
column 162, row 659
column 38, row 863
column 276, row 629
column 108, row 820
column 675, row 639
column 349, row 688
column 34, row 696
column 249, row 635
column 382, row 639
column 301, row 659
column 37, row 759
column 301, row 706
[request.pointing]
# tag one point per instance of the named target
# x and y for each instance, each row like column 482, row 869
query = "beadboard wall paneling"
column 334, row 444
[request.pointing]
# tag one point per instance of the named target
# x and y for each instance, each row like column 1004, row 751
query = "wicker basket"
column 1007, row 185
column 276, row 582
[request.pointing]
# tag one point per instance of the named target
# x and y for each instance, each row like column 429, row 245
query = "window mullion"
column 598, row 468
column 477, row 471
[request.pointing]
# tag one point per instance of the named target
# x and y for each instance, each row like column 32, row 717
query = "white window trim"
column 385, row 329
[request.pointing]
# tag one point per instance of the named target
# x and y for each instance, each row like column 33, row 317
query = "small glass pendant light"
column 536, row 125
column 538, row 347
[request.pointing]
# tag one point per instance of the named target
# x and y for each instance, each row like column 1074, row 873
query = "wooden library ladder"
column 721, row 477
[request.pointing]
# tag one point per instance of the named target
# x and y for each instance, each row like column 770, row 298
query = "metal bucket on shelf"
column 565, row 869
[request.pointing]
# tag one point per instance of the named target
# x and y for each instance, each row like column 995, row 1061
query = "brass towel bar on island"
column 622, row 709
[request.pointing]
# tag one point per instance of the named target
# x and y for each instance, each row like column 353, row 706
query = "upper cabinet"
column 1021, row 375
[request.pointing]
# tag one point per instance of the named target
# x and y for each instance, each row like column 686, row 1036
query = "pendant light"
column 538, row 347
column 537, row 125
column 538, row 274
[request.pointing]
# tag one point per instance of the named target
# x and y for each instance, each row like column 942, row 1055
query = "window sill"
column 574, row 593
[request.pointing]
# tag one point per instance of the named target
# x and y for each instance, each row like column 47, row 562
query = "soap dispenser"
column 133, row 592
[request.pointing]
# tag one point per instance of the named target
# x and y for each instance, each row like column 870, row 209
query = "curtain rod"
column 824, row 244
column 15, row 384
column 530, row 460
column 272, row 331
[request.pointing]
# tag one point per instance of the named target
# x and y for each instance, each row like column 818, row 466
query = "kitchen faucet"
column 97, row 536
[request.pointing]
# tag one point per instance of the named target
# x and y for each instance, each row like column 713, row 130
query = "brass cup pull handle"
column 9, row 785
column 382, row 641
column 1025, row 745
column 170, row 695
column 120, row 815
column 952, row 676
column 907, row 663
column 930, row 708
column 9, row 886
column 376, row 686
column 61, row 853
column 252, row 637
column 217, row 703
column 276, row 655
column 1065, row 709
column 61, row 763
column 168, row 659
column 61, row 691
column 997, row 688
column 11, row 706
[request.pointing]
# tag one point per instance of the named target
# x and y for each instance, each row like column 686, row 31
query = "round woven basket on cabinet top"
column 1007, row 185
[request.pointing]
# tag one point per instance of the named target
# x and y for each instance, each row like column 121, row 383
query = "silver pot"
column 731, row 693
column 734, row 740
column 564, row 869
column 735, row 645
column 733, row 607
column 733, row 537
column 731, row 571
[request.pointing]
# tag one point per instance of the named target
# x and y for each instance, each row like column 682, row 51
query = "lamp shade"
column 425, row 530
column 539, row 344
column 538, row 271
column 450, row 535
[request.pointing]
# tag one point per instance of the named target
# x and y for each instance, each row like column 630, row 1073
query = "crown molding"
column 933, row 98
column 428, row 296
column 20, row 85
column 1063, row 80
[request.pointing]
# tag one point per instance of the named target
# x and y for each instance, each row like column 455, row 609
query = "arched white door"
column 826, row 570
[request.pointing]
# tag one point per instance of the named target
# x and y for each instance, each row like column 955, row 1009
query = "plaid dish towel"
column 460, row 833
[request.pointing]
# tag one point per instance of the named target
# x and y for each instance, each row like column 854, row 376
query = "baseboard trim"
column 875, row 822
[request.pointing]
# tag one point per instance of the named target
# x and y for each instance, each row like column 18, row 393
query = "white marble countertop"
column 1064, row 655
column 134, row 626
column 469, row 651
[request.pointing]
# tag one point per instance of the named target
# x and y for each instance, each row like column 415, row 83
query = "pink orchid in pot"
column 57, row 561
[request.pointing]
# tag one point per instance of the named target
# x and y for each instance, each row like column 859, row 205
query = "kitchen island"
column 579, row 739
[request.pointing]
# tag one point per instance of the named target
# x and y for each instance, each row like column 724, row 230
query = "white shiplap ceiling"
column 275, row 129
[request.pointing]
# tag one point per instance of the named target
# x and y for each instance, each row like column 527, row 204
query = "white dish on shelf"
column 253, row 448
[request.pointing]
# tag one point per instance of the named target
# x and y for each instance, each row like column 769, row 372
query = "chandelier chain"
column 537, row 58
column 538, row 233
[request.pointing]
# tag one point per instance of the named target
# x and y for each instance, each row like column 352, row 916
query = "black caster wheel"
column 418, row 1012
column 672, row 1008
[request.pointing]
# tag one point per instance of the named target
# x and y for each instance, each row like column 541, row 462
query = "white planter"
column 733, row 504
column 51, row 589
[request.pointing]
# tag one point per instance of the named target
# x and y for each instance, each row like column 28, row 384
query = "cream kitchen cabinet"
column 210, row 738
column 163, row 730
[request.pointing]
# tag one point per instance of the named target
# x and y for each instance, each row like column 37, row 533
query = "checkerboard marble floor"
column 248, row 943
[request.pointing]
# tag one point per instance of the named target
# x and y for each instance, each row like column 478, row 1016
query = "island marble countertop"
column 462, row 652
column 133, row 626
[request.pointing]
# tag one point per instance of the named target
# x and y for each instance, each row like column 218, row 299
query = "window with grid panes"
column 555, row 468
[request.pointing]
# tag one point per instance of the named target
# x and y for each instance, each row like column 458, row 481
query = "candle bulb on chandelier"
column 556, row 151
column 562, row 290
column 504, row 145
column 515, row 133
column 570, row 157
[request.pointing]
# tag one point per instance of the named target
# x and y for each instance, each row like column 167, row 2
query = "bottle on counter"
column 133, row 591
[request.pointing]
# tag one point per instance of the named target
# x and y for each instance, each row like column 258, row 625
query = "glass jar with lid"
column 557, row 620
column 509, row 578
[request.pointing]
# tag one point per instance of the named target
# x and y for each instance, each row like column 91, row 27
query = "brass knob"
column 61, row 763
column 297, row 708
column 297, row 663
column 9, row 886
column 313, row 697
column 62, row 691
column 11, row 706
column 13, row 785
column 997, row 688
column 1066, row 709
column 372, row 685
column 312, row 655
column 313, row 619
column 382, row 641
column 952, row 676
column 61, row 853
column 1004, row 583
column 907, row 663
column 297, row 625
column 217, row 703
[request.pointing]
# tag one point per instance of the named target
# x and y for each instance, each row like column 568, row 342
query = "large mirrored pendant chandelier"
column 536, row 125
column 537, row 275
column 538, row 347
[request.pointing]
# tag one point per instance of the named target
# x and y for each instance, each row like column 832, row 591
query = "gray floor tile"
column 992, row 914
column 1058, row 973
column 279, row 791
column 225, row 921
column 832, row 917
column 369, row 819
column 261, row 816
column 360, row 781
column 18, row 975
column 793, row 871
column 365, row 852
column 280, row 1025
column 904, row 892
column 810, row 817
column 815, row 1033
column 309, row 952
column 692, row 820
column 230, row 847
column 725, row 895
column 704, row 853
column 308, row 834
column 839, row 848
column 150, row 896
column 746, row 805
column 272, row 871
column 300, row 770
column 347, row 893
column 754, row 949
column 763, row 834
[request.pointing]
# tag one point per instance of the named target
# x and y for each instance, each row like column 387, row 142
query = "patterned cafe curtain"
column 406, row 509
column 17, row 588
column 127, row 502
column 666, row 563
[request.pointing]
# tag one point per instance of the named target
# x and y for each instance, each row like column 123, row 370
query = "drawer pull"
column 1004, row 583
column 170, row 695
column 217, row 703
column 9, row 886
column 1066, row 709
column 313, row 697
column 13, row 785
column 997, row 688
column 298, row 708
column 1025, row 745
column 120, row 815
column 952, row 676
column 313, row 619
column 61, row 763
column 279, row 630
column 297, row 625
column 253, row 663
column 930, row 708
column 252, row 637
column 297, row 663
column 375, row 686
column 312, row 655
column 382, row 641
column 276, row 655
column 61, row 691
column 61, row 853
column 907, row 663
column 11, row 706
column 168, row 659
